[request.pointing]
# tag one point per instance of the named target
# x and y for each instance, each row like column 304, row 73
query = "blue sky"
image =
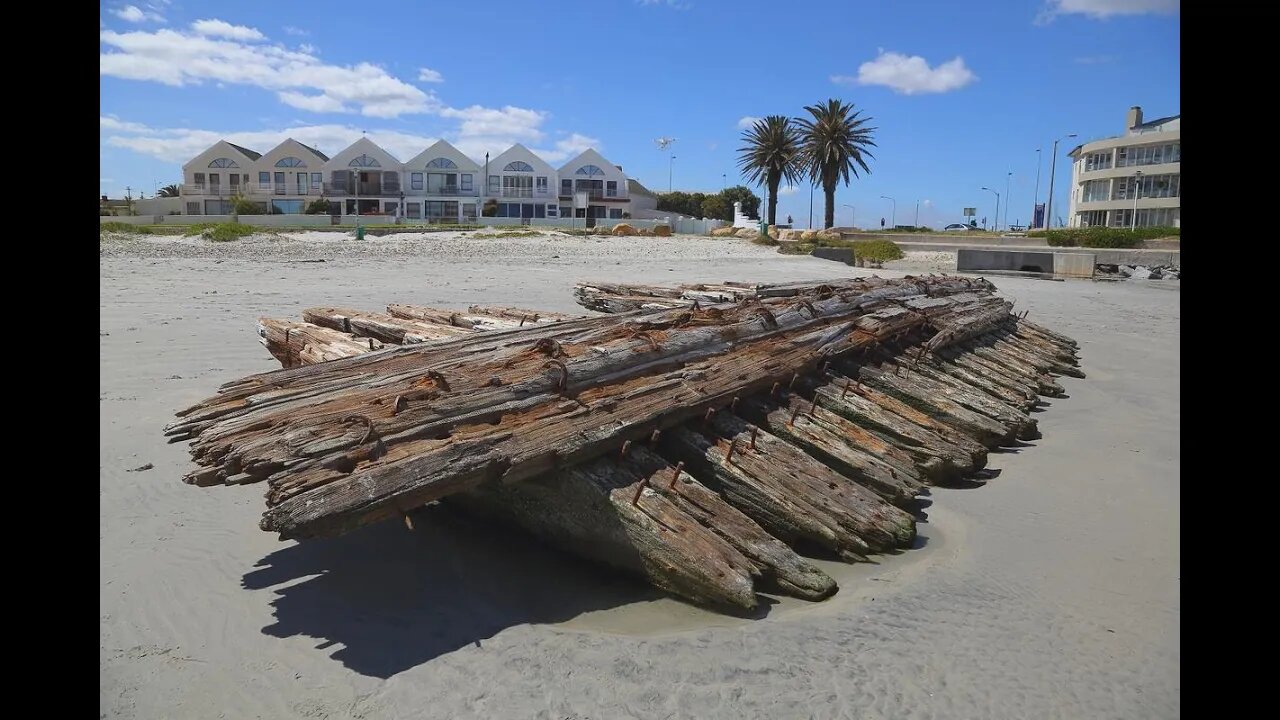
column 961, row 93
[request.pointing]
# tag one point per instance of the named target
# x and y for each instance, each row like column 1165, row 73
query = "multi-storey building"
column 1132, row 179
column 440, row 184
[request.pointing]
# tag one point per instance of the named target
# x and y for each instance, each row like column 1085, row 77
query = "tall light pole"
column 997, row 215
column 917, row 222
column 853, row 215
column 893, row 218
column 1053, row 166
column 724, row 181
column 1007, row 179
column 810, row 206
column 1137, row 190
column 670, row 164
column 1036, row 200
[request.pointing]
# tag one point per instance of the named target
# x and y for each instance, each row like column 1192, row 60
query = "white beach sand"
column 1050, row 592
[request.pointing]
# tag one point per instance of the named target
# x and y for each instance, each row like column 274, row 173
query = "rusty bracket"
column 754, row 431
column 644, row 481
column 728, row 456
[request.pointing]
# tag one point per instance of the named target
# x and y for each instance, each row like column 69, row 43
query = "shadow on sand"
column 394, row 599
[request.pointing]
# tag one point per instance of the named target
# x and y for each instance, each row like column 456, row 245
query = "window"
column 566, row 187
column 442, row 183
column 214, row 182
column 495, row 182
column 469, row 211
column 615, row 213
column 442, row 163
column 364, row 161
column 193, row 208
column 517, row 186
column 286, row 207
column 317, row 181
column 199, row 179
column 1097, row 161
column 552, row 211
column 566, row 211
column 391, row 182
column 264, row 180
column 589, row 170
column 540, row 210
column 234, row 181
column 302, row 183
column 290, row 162
column 338, row 178
column 466, row 182
column 223, row 163
column 413, row 210
column 1096, row 190
column 415, row 181
column 611, row 188
column 542, row 184
column 389, row 208
column 518, row 166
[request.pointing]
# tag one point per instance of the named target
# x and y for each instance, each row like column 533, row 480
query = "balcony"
column 443, row 191
column 597, row 194
column 283, row 189
column 367, row 190
column 209, row 190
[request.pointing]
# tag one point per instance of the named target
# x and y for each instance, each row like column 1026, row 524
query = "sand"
column 1051, row 592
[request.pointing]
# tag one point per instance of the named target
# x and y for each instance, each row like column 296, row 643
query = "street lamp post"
column 810, row 206
column 1007, row 179
column 355, row 182
column 670, row 165
column 917, row 221
column 724, row 181
column 893, row 218
column 1036, row 201
column 1053, row 166
column 997, row 215
column 1137, row 191
column 853, row 215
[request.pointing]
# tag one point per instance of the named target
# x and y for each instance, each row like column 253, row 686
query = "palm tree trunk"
column 829, row 190
column 773, row 182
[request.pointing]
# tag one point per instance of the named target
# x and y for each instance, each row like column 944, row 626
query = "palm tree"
column 834, row 143
column 771, row 153
column 168, row 191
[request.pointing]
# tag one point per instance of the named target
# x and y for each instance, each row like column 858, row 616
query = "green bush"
column 1105, row 237
column 763, row 239
column 876, row 251
column 119, row 227
column 319, row 206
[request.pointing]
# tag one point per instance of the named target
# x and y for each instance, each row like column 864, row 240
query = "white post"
column 1137, row 190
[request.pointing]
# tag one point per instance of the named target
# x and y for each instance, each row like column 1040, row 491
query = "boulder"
column 747, row 233
column 644, row 231
column 791, row 235
column 1126, row 270
column 623, row 229
column 724, row 231
column 827, row 235
column 808, row 236
column 773, row 232
column 662, row 230
column 1141, row 273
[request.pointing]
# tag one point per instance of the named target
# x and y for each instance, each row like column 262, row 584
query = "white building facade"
column 1132, row 180
column 439, row 185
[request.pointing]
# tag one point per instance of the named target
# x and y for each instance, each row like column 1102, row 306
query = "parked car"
column 957, row 227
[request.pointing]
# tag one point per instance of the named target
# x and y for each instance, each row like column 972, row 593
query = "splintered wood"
column 699, row 444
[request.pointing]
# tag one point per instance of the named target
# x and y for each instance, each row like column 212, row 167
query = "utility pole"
column 1053, row 165
column 810, row 206
column 1007, row 178
column 1036, row 200
column 670, row 164
column 917, row 221
column 1137, row 192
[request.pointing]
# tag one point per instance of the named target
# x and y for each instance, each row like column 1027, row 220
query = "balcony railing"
column 366, row 190
column 443, row 191
column 596, row 194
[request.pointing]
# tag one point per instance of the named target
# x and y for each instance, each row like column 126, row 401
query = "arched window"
column 223, row 163
column 518, row 166
column 442, row 163
column 364, row 161
column 290, row 162
column 589, row 170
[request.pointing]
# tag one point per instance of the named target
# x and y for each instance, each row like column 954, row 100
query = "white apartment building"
column 1131, row 179
column 440, row 184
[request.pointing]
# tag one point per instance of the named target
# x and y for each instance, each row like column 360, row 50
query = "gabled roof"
column 315, row 152
column 442, row 148
column 1159, row 121
column 496, row 163
column 248, row 153
column 588, row 157
column 363, row 146
column 634, row 187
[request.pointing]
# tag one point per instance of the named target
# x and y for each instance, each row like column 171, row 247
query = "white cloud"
column 494, row 130
column 429, row 75
column 221, row 28
column 111, row 122
column 314, row 103
column 788, row 190
column 1103, row 9
column 568, row 147
column 291, row 30
column 747, row 121
column 187, row 58
column 910, row 75
column 135, row 14
column 308, row 48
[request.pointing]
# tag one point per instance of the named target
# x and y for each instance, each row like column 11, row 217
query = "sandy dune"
column 1051, row 592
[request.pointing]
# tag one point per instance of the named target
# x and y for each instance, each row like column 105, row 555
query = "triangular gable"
column 521, row 153
column 589, row 157
column 363, row 146
column 311, row 159
column 222, row 149
column 439, row 149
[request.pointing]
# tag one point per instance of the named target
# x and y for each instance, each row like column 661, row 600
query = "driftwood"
column 861, row 391
column 301, row 343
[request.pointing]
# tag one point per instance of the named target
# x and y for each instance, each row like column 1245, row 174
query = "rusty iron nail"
column 654, row 437
column 791, row 385
column 522, row 319
column 813, row 405
column 625, row 447
column 640, row 489
column 370, row 343
column 710, row 413
column 676, row 475
column 729, row 455
column 794, row 414
column 286, row 335
column 754, row 430
column 774, row 390
column 733, row 406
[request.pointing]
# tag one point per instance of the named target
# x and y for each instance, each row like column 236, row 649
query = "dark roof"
column 316, row 152
column 251, row 154
column 634, row 186
column 1159, row 121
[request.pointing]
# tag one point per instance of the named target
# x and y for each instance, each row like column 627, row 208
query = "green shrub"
column 876, row 251
column 1105, row 237
column 319, row 206
column 119, row 227
column 763, row 239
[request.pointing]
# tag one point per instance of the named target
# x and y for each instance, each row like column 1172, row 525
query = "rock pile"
column 1138, row 272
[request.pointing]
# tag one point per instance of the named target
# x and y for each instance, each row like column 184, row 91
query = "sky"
column 961, row 94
